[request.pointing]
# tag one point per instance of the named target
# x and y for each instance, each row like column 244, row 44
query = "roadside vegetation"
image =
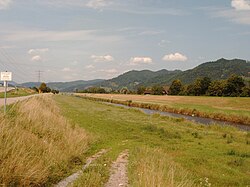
column 163, row 151
column 19, row 92
column 38, row 146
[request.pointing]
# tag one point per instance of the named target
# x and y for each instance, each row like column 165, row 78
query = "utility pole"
column 39, row 75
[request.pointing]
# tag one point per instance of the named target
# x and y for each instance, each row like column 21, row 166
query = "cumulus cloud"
column 33, row 51
column 66, row 69
column 105, row 58
column 140, row 60
column 110, row 71
column 175, row 57
column 90, row 66
column 241, row 4
column 98, row 4
column 36, row 58
column 4, row 4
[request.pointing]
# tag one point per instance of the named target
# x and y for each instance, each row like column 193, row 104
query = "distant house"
column 151, row 92
column 148, row 92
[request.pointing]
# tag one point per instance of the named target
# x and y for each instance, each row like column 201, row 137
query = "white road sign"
column 6, row 76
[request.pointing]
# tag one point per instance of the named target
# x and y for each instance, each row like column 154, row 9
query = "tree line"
column 43, row 88
column 234, row 86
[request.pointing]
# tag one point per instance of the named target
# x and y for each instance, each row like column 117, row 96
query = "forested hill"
column 220, row 69
column 134, row 78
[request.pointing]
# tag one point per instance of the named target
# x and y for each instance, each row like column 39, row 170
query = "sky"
column 70, row 40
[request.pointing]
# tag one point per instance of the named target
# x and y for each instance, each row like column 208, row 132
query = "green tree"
column 176, row 87
column 217, row 88
column 43, row 88
column 158, row 90
column 234, row 86
column 205, row 83
column 141, row 90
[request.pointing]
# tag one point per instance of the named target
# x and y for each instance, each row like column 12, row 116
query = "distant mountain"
column 65, row 86
column 134, row 78
column 220, row 69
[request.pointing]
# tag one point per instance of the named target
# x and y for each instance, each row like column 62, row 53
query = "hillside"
column 134, row 78
column 65, row 86
column 220, row 69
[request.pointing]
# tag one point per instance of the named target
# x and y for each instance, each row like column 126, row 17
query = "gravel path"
column 15, row 99
column 119, row 171
column 69, row 180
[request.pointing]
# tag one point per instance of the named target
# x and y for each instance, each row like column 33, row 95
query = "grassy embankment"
column 163, row 151
column 37, row 145
column 19, row 92
column 232, row 109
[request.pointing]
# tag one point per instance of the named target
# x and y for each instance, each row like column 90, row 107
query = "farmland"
column 234, row 109
column 47, row 138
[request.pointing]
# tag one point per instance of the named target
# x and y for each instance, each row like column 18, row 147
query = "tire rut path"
column 72, row 178
column 119, row 175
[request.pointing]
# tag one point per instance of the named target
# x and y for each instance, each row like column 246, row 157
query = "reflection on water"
column 205, row 121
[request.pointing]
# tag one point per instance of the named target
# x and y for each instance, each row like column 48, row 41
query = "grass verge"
column 19, row 92
column 37, row 145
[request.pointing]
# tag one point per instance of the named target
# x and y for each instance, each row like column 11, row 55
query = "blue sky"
column 88, row 39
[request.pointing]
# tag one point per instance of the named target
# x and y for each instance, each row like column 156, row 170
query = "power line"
column 39, row 75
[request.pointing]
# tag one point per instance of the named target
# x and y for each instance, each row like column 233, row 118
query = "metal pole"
column 5, row 96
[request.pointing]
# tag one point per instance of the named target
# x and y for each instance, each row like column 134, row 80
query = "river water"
column 200, row 120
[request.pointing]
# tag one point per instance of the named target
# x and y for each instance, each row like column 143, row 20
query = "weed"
column 231, row 152
column 236, row 162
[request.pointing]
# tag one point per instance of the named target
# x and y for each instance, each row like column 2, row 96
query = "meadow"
column 163, row 151
column 47, row 138
column 232, row 109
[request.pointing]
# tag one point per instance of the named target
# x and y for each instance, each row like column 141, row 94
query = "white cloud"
column 150, row 33
column 36, row 58
column 98, row 4
column 110, row 71
column 35, row 35
column 4, row 4
column 241, row 4
column 90, row 66
column 66, row 69
column 35, row 51
column 140, row 60
column 240, row 17
column 105, row 58
column 175, row 57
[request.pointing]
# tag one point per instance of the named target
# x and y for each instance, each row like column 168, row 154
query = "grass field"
column 163, row 151
column 234, row 109
column 19, row 92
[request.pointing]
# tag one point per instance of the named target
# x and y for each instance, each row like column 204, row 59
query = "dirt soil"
column 119, row 171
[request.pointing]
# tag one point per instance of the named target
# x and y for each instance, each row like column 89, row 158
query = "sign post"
column 5, row 76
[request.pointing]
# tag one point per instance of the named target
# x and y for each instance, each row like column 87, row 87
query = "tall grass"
column 37, row 145
column 153, row 167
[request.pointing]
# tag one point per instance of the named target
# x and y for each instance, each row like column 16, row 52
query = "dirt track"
column 14, row 99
